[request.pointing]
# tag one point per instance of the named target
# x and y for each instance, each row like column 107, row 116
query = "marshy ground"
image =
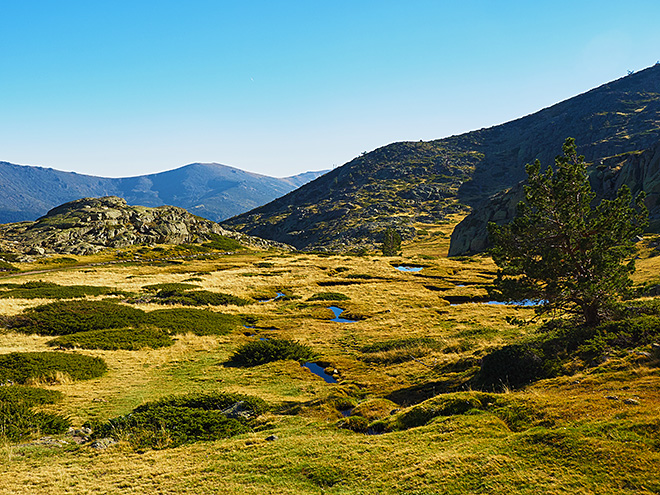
column 405, row 365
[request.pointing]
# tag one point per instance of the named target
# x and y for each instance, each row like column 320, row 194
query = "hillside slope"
column 210, row 190
column 409, row 182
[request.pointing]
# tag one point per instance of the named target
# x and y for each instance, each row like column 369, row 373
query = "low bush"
column 19, row 422
column 513, row 365
column 173, row 421
column 265, row 351
column 7, row 267
column 48, row 290
column 175, row 286
column 398, row 350
column 222, row 243
column 24, row 367
column 66, row 317
column 329, row 296
column 197, row 321
column 198, row 298
column 31, row 396
column 250, row 405
column 130, row 339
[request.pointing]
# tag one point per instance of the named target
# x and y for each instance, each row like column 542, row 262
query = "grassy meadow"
column 405, row 416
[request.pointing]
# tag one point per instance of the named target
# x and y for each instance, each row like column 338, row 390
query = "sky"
column 119, row 88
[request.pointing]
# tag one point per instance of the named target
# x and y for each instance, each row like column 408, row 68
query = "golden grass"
column 589, row 443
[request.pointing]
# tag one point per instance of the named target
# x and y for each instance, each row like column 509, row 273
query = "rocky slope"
column 640, row 171
column 89, row 225
column 210, row 190
column 409, row 182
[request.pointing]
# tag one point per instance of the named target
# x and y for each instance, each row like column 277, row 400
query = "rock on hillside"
column 89, row 225
column 404, row 183
column 639, row 170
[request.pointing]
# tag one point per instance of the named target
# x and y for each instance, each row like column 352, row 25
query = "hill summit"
column 89, row 225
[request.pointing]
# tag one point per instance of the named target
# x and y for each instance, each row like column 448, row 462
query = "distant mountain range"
column 209, row 190
column 406, row 183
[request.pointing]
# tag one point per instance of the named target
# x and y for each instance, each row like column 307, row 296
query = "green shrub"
column 197, row 321
column 411, row 342
column 212, row 401
column 265, row 351
column 130, row 339
column 22, row 367
column 65, row 317
column 7, row 267
column 513, row 365
column 48, row 290
column 398, row 350
column 175, row 286
column 30, row 396
column 176, row 420
column 19, row 422
column 222, row 243
column 329, row 296
column 198, row 298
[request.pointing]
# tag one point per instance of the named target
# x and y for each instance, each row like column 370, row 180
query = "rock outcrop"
column 89, row 225
column 639, row 170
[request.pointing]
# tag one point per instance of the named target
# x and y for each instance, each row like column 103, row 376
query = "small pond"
column 319, row 371
column 524, row 302
column 337, row 311
column 409, row 268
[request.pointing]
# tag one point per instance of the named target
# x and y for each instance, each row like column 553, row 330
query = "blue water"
column 409, row 268
column 337, row 311
column 524, row 302
column 277, row 296
column 318, row 371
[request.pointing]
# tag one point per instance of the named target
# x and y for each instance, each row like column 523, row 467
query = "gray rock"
column 103, row 443
column 271, row 438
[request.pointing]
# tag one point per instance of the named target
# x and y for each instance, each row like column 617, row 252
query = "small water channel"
column 277, row 296
column 319, row 371
column 337, row 311
column 524, row 302
column 403, row 268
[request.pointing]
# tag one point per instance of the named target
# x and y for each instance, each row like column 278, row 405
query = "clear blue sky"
column 119, row 88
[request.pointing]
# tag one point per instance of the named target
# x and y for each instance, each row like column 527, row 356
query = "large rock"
column 89, row 225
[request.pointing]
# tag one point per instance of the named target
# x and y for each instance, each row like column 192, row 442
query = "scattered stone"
column 631, row 402
column 611, row 397
column 103, row 443
column 238, row 410
column 271, row 438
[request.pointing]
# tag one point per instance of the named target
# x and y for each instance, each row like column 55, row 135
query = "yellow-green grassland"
column 404, row 368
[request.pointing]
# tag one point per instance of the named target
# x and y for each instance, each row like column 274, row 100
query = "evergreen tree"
column 391, row 242
column 560, row 251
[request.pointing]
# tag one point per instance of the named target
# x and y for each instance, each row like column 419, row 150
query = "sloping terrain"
column 401, row 183
column 210, row 190
column 639, row 170
column 89, row 225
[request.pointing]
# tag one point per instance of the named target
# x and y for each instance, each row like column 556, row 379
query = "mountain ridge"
column 401, row 184
column 28, row 192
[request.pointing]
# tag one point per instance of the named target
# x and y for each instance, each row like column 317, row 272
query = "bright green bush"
column 222, row 243
column 66, row 317
column 30, row 396
column 176, row 420
column 19, row 422
column 22, row 367
column 513, row 366
column 265, row 351
column 169, row 287
column 197, row 321
column 48, row 290
column 198, row 298
column 130, row 339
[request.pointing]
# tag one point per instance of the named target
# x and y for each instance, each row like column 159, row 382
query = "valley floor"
column 418, row 337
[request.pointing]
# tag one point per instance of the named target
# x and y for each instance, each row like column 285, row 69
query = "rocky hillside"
column 209, row 190
column 639, row 170
column 89, row 225
column 409, row 182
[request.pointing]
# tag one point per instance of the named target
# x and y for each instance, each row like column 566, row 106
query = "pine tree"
column 391, row 242
column 560, row 251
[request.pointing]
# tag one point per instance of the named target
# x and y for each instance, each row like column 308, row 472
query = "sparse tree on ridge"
column 560, row 251
column 391, row 242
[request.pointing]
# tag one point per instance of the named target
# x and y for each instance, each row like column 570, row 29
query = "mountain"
column 209, row 190
column 408, row 182
column 89, row 225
